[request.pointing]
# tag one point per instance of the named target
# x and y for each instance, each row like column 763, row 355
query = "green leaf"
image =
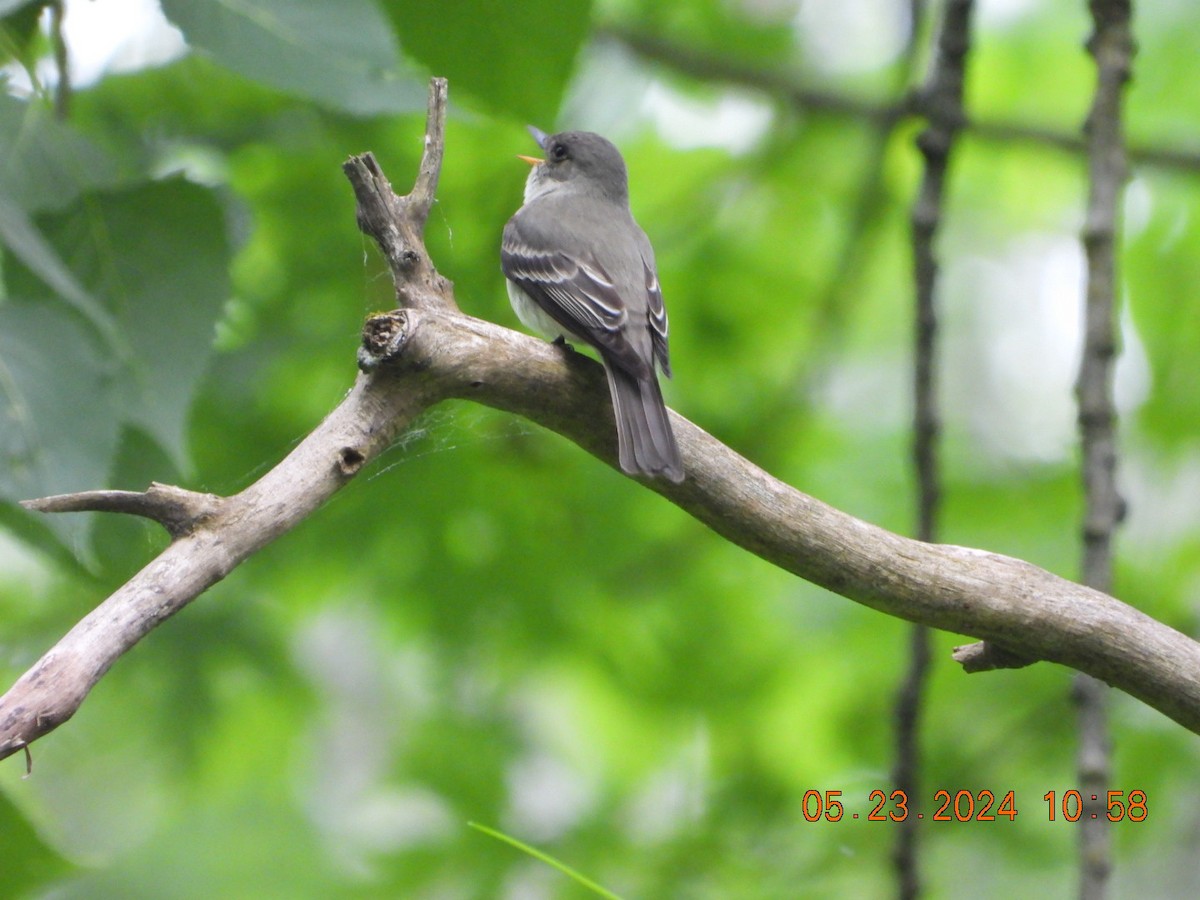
column 45, row 164
column 22, row 237
column 29, row 863
column 340, row 54
column 11, row 6
column 156, row 256
column 169, row 281
column 20, row 36
column 547, row 859
column 59, row 418
column 514, row 58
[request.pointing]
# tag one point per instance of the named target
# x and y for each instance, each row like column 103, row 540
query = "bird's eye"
column 559, row 152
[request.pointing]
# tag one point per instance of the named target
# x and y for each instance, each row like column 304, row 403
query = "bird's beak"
column 538, row 135
column 532, row 160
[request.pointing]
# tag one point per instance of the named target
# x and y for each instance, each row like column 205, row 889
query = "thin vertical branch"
column 941, row 100
column 907, row 767
column 62, row 60
column 1111, row 45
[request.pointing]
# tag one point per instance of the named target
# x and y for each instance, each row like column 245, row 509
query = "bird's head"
column 579, row 160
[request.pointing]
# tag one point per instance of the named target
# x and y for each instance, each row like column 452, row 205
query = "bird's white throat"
column 537, row 184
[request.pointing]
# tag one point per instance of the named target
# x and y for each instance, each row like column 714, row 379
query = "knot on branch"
column 985, row 656
column 383, row 338
column 350, row 460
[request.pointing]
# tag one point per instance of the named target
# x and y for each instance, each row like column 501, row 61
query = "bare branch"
column 177, row 510
column 424, row 192
column 62, row 60
column 941, row 100
column 416, row 357
column 428, row 355
column 398, row 223
column 1111, row 45
column 711, row 67
column 1030, row 612
column 212, row 535
column 232, row 529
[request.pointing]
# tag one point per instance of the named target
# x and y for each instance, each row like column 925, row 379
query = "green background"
column 488, row 625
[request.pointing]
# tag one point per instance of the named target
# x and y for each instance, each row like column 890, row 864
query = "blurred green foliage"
column 488, row 625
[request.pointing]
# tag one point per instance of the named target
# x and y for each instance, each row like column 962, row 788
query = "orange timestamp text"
column 976, row 806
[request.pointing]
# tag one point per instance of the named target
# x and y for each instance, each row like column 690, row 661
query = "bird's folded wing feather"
column 576, row 293
column 657, row 314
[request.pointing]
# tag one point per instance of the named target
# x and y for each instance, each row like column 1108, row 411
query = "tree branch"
column 1111, row 46
column 416, row 357
column 175, row 509
column 398, row 223
column 713, row 68
column 941, row 100
column 212, row 535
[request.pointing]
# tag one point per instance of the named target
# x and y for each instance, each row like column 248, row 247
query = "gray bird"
column 579, row 267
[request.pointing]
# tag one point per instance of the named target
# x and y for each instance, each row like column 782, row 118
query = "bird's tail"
column 646, row 444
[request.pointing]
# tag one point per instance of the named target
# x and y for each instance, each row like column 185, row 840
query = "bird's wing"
column 656, row 312
column 576, row 292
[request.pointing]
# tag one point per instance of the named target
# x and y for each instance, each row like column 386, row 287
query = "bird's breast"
column 533, row 316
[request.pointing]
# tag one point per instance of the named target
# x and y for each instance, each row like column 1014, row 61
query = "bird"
column 579, row 267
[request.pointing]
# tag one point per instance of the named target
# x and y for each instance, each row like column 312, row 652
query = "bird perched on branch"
column 579, row 267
